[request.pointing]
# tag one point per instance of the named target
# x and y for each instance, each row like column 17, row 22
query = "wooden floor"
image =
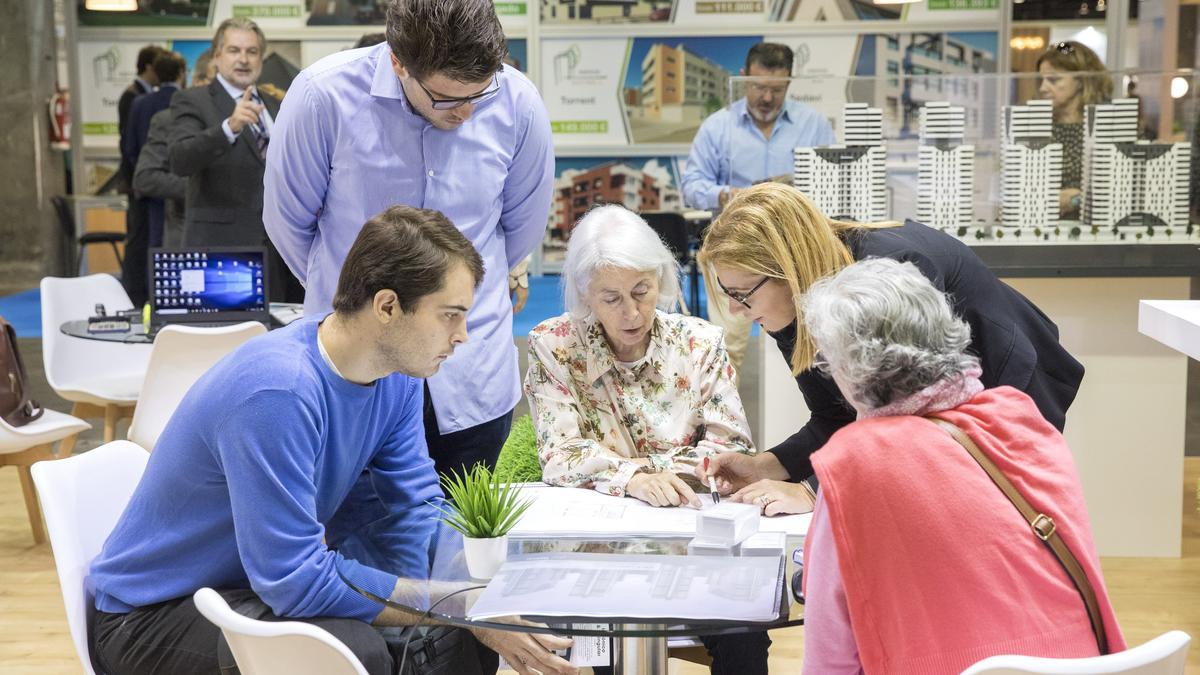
column 1151, row 595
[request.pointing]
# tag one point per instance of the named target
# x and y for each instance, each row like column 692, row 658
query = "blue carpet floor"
column 23, row 310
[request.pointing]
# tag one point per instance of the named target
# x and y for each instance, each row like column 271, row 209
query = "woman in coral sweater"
column 915, row 561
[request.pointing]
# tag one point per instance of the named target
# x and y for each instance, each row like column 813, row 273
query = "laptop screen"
column 208, row 284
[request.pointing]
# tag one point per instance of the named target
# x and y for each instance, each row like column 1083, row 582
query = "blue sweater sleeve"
column 269, row 465
column 404, row 478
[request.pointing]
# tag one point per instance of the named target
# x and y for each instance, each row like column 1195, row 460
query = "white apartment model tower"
column 945, row 169
column 1131, row 182
column 1032, row 166
column 849, row 180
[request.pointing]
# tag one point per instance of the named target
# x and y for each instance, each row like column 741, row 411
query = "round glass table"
column 448, row 593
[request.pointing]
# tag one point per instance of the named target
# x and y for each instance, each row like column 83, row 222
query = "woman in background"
column 1072, row 76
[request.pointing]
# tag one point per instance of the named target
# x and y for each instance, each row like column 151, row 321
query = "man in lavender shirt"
column 432, row 119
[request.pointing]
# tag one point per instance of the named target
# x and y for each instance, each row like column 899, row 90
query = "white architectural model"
column 849, row 180
column 1127, row 182
column 1032, row 166
column 945, row 169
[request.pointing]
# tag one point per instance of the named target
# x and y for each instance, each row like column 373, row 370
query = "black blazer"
column 134, row 90
column 1016, row 343
column 225, row 182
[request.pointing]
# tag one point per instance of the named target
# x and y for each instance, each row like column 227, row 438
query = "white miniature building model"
column 1129, row 182
column 1032, row 166
column 849, row 180
column 945, row 168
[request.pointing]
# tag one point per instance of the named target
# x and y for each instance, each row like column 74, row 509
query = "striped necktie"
column 259, row 129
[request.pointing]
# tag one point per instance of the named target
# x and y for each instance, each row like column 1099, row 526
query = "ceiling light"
column 111, row 5
column 1179, row 87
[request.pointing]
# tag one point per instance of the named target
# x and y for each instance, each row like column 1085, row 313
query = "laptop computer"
column 209, row 286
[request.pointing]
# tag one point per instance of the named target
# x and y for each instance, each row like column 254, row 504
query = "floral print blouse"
column 594, row 415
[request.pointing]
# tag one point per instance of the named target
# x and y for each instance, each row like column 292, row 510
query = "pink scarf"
column 939, row 396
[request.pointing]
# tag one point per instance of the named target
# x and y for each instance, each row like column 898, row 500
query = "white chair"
column 270, row 647
column 34, row 442
column 180, row 356
column 1164, row 655
column 82, row 497
column 102, row 379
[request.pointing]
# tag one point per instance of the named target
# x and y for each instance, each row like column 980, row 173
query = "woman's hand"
column 734, row 470
column 661, row 489
column 776, row 497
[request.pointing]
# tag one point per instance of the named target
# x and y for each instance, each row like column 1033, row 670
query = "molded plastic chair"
column 83, row 497
column 1164, row 655
column 180, row 356
column 270, row 647
column 101, row 379
column 34, row 442
column 673, row 229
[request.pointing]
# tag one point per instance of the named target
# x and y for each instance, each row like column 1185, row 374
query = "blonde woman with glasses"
column 771, row 244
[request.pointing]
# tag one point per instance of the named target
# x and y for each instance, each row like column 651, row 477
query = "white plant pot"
column 484, row 556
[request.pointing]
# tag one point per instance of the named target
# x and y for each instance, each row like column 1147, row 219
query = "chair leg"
column 23, row 461
column 117, row 254
column 113, row 414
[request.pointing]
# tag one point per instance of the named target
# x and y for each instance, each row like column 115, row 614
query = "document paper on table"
column 620, row 586
column 576, row 512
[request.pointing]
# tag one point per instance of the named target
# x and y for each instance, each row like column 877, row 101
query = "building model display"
column 848, row 181
column 945, row 168
column 1131, row 183
column 1032, row 166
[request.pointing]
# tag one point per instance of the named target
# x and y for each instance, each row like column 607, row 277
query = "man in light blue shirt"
column 433, row 119
column 750, row 141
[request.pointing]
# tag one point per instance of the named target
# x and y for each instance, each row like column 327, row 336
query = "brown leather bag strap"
column 1042, row 525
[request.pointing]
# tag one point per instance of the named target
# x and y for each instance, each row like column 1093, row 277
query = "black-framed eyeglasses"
column 1064, row 47
column 742, row 299
column 452, row 103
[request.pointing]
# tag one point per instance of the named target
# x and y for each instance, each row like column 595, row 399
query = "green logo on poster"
column 267, row 11
column 963, row 4
column 579, row 126
column 510, row 9
column 100, row 129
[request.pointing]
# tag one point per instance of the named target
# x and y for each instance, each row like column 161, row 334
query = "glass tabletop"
column 448, row 592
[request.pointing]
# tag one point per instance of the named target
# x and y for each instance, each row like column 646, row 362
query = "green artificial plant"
column 480, row 506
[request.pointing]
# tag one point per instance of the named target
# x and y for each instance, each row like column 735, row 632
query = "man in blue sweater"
column 245, row 490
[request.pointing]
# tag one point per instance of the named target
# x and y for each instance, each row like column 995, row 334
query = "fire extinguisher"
column 60, row 120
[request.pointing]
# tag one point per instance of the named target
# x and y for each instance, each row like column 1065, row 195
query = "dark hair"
column 771, row 56
column 202, row 63
column 146, row 57
column 407, row 250
column 168, row 66
column 461, row 39
column 370, row 40
column 240, row 23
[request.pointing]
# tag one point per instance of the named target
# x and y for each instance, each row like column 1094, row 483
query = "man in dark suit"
column 152, row 177
column 222, row 133
column 144, row 83
column 170, row 69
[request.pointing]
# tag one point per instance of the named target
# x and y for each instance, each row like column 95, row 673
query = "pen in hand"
column 712, row 484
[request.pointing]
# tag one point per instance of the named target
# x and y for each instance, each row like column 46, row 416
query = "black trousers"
column 173, row 637
column 135, row 267
column 460, row 450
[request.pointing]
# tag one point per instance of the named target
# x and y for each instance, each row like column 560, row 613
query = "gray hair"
column 886, row 330
column 240, row 23
column 614, row 236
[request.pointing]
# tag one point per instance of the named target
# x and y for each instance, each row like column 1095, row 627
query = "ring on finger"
column 763, row 500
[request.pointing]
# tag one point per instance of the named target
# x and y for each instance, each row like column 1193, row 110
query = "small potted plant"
column 483, row 509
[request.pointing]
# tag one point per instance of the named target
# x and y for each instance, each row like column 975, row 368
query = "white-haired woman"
column 906, row 518
column 626, row 398
column 621, row 392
